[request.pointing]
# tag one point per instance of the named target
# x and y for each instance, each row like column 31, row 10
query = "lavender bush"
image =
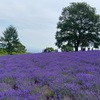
column 50, row 76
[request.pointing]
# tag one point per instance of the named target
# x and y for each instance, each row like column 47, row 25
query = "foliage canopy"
column 10, row 41
column 79, row 26
column 48, row 49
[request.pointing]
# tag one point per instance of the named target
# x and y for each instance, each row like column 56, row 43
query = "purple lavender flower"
column 71, row 75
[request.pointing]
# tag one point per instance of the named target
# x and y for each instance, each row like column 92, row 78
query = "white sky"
column 35, row 20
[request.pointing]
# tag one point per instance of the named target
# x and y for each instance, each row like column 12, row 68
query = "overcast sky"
column 35, row 20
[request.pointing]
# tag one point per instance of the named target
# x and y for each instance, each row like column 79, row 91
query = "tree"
column 78, row 25
column 48, row 49
column 66, row 48
column 10, row 41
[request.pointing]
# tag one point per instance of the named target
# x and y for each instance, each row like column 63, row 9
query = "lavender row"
column 50, row 76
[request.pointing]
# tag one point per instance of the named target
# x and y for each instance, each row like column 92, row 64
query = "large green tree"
column 10, row 41
column 78, row 25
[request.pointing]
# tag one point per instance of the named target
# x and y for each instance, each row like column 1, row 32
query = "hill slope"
column 50, row 76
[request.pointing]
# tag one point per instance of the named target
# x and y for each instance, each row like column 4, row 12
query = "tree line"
column 78, row 27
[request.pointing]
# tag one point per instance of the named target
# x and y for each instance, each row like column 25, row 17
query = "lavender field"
column 50, row 76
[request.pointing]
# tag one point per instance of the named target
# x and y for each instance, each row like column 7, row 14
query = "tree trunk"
column 76, row 48
column 76, row 45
